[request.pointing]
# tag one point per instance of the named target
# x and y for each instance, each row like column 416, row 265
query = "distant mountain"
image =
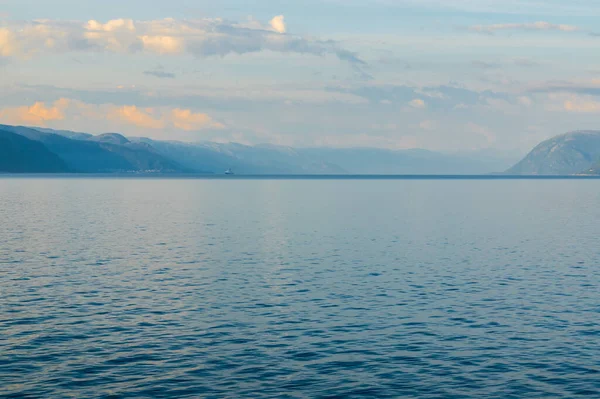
column 568, row 154
column 18, row 154
column 405, row 162
column 271, row 159
column 93, row 155
column 217, row 157
column 113, row 152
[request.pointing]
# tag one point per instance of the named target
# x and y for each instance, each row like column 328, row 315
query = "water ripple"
column 184, row 289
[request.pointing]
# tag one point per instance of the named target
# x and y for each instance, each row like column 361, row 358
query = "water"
column 150, row 288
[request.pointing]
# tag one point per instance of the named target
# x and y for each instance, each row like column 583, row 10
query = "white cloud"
column 200, row 37
column 162, row 44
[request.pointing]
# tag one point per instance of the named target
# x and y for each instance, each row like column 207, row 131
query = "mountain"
column 18, row 154
column 272, row 159
column 243, row 159
column 110, row 138
column 568, row 154
column 94, row 155
column 404, row 162
column 66, row 133
column 113, row 152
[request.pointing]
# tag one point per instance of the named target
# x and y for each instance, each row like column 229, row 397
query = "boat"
column 229, row 172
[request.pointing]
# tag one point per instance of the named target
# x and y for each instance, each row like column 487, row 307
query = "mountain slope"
column 594, row 170
column 88, row 156
column 567, row 154
column 65, row 133
column 18, row 154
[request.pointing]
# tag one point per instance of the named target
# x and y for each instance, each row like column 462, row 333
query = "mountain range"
column 42, row 150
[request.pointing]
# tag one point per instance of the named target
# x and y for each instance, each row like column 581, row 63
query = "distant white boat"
column 229, row 172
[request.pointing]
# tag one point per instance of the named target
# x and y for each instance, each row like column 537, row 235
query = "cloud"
column 70, row 111
column 7, row 45
column 417, row 103
column 525, row 62
column 37, row 114
column 540, row 26
column 582, row 105
column 584, row 87
column 150, row 118
column 278, row 24
column 199, row 37
column 485, row 65
column 428, row 125
column 134, row 116
column 160, row 73
column 162, row 44
column 525, row 101
column 185, row 119
column 432, row 97
column 585, row 8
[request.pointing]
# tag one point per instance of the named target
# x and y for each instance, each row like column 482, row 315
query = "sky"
column 442, row 75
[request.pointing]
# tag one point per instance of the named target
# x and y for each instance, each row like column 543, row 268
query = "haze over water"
column 155, row 288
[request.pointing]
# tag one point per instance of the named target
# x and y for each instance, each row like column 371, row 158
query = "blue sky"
column 449, row 76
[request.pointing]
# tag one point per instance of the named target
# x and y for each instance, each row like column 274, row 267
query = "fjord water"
column 165, row 288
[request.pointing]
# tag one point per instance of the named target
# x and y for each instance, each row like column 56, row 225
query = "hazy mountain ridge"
column 113, row 152
column 18, row 154
column 85, row 154
column 217, row 157
column 407, row 162
column 572, row 153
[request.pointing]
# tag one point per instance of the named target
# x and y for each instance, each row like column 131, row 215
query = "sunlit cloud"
column 278, row 24
column 185, row 119
column 199, row 37
column 134, row 116
column 7, row 43
column 70, row 110
column 417, row 103
column 582, row 105
column 37, row 114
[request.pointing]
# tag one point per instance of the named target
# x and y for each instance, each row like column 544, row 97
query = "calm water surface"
column 299, row 289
